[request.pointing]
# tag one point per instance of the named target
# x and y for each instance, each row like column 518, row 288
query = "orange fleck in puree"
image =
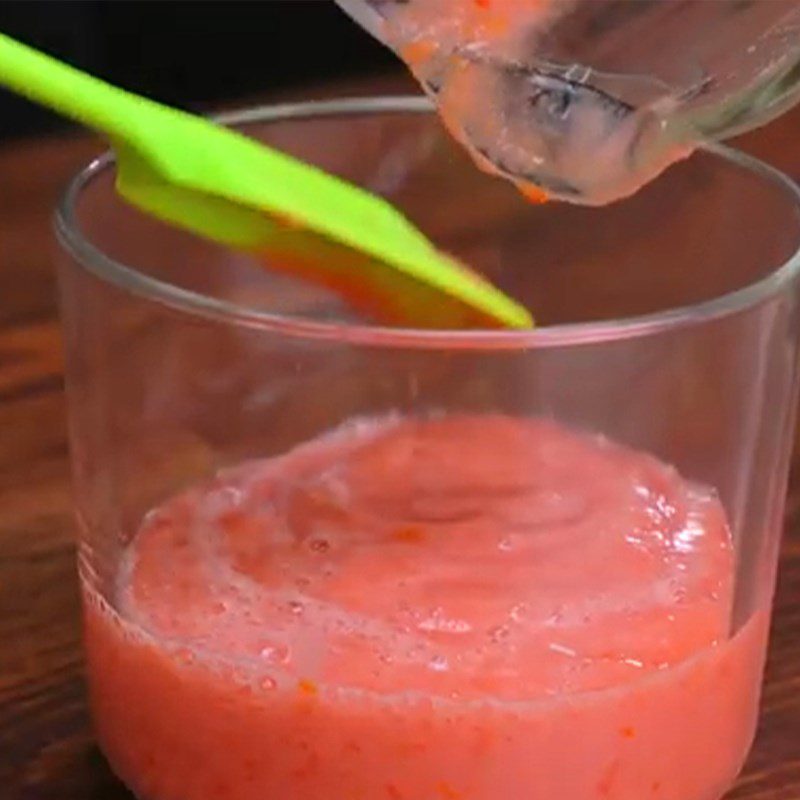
column 463, row 608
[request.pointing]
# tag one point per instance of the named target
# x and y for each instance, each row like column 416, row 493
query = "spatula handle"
column 50, row 82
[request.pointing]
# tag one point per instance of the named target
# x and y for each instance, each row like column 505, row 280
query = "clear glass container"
column 586, row 100
column 668, row 325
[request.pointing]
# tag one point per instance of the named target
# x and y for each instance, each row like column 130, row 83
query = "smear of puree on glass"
column 588, row 100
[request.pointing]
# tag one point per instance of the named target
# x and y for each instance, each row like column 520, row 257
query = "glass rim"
column 129, row 279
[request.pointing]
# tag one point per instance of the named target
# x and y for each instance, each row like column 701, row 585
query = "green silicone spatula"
column 224, row 186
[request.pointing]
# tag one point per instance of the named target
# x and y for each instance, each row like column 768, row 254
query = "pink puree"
column 469, row 608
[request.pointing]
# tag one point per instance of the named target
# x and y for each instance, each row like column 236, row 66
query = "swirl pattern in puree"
column 471, row 607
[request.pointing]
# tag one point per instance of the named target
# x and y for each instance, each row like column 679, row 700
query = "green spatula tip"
column 229, row 188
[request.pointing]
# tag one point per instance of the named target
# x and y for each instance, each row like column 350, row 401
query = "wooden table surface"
column 46, row 746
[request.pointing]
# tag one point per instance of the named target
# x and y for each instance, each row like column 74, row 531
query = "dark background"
column 188, row 53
